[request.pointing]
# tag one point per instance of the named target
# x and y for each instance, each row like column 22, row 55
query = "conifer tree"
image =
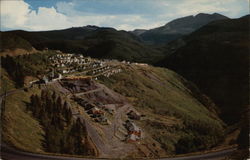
column 54, row 95
column 44, row 95
column 58, row 106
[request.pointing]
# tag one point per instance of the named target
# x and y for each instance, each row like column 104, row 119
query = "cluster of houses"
column 61, row 60
column 70, row 63
column 95, row 112
column 112, row 72
column 98, row 70
column 98, row 115
column 106, row 71
column 140, row 64
column 134, row 132
column 135, row 63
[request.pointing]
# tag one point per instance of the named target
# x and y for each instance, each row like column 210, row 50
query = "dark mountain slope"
column 178, row 28
column 93, row 41
column 216, row 58
column 11, row 41
column 73, row 33
column 138, row 31
column 65, row 40
column 120, row 45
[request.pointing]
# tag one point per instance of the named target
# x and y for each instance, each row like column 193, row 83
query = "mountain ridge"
column 178, row 27
column 92, row 41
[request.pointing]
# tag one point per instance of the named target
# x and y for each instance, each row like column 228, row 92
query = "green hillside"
column 163, row 96
column 21, row 66
column 19, row 128
column 11, row 41
column 216, row 59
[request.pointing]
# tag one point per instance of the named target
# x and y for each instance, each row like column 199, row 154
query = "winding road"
column 8, row 153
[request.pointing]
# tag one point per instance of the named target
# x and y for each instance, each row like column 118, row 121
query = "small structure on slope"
column 134, row 115
column 134, row 132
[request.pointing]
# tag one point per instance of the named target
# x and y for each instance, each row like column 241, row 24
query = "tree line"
column 25, row 65
column 63, row 133
column 199, row 135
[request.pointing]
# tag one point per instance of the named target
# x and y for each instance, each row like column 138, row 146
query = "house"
column 134, row 115
column 87, row 106
column 134, row 132
column 101, row 119
column 132, row 128
column 64, row 71
column 45, row 79
column 110, row 108
column 57, row 77
column 132, row 138
column 95, row 111
column 33, row 82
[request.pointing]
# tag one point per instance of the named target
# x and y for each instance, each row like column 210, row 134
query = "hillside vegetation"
column 63, row 133
column 216, row 59
column 175, row 115
column 19, row 128
column 91, row 41
column 162, row 96
column 19, row 67
column 11, row 41
column 121, row 45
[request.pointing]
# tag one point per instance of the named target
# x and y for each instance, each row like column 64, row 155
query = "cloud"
column 10, row 16
column 18, row 15
column 46, row 19
column 123, row 14
column 231, row 8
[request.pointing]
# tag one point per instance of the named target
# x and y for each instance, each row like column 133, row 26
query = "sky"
column 37, row 15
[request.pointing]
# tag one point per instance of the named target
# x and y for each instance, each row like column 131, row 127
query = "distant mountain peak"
column 202, row 14
column 214, row 15
column 91, row 27
column 178, row 27
column 138, row 31
column 218, row 14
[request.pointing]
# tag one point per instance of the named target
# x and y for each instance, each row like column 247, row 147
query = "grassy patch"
column 161, row 94
column 20, row 129
column 6, row 83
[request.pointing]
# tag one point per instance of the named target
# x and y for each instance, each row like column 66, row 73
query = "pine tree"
column 67, row 112
column 58, row 105
column 54, row 95
column 32, row 103
column 44, row 95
